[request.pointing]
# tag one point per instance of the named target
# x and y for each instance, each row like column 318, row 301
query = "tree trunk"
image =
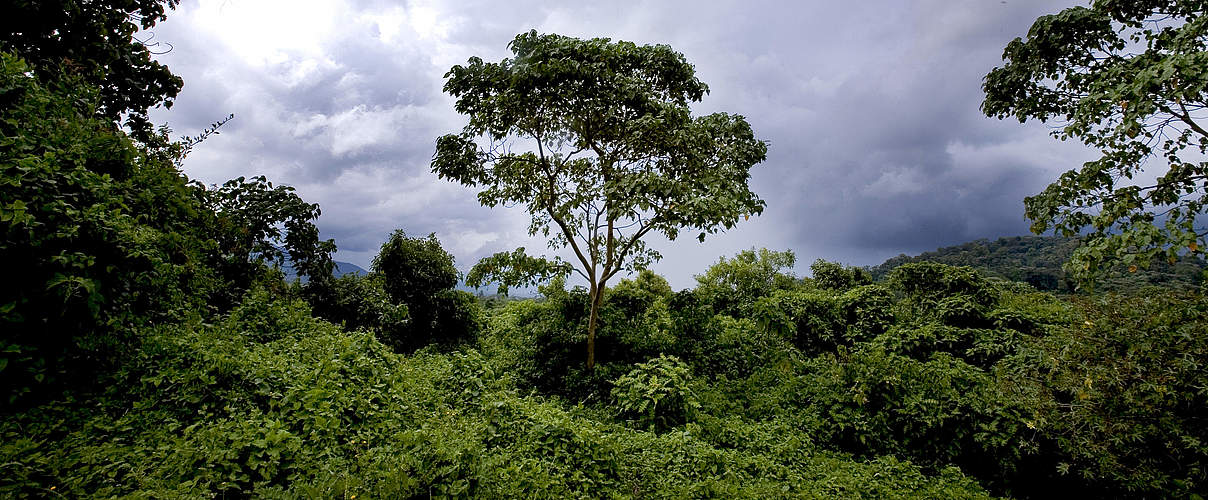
column 597, row 295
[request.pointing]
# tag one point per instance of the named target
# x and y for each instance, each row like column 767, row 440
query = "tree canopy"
column 420, row 275
column 1127, row 78
column 95, row 41
column 596, row 139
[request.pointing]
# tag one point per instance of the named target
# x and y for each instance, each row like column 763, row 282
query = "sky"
column 870, row 109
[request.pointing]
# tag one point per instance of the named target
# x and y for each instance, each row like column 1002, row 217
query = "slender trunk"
column 597, row 295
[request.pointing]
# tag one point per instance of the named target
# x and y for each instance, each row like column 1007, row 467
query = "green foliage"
column 515, row 269
column 542, row 342
column 1122, row 396
column 944, row 288
column 148, row 350
column 813, row 319
column 657, row 394
column 1037, row 261
column 981, row 347
column 419, row 275
column 414, row 268
column 867, row 311
column 93, row 43
column 1126, row 79
column 538, row 341
column 833, row 276
column 732, row 286
column 263, row 316
column 258, row 223
column 635, row 313
column 314, row 411
column 736, row 348
column 618, row 153
column 97, row 234
column 357, row 302
column 937, row 411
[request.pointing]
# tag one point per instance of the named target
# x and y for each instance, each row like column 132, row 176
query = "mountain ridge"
column 1037, row 260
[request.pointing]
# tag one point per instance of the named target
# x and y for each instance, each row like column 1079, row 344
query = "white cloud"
column 353, row 130
column 896, row 181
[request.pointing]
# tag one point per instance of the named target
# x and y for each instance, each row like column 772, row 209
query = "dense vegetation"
column 151, row 348
column 1038, row 261
column 1129, row 79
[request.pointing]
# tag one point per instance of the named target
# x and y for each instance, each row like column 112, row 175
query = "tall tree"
column 596, row 139
column 1128, row 78
column 95, row 41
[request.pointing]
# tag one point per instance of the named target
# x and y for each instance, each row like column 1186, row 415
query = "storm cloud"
column 870, row 109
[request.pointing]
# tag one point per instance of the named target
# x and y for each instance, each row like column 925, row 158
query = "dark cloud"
column 877, row 145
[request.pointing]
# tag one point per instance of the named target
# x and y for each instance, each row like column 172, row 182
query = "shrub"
column 736, row 348
column 935, row 412
column 657, row 395
column 357, row 302
column 979, row 347
column 833, row 276
column 868, row 312
column 97, row 234
column 960, row 310
column 636, row 319
column 926, row 283
column 313, row 411
column 265, row 317
column 414, row 269
column 731, row 286
column 811, row 318
column 418, row 274
column 1122, row 398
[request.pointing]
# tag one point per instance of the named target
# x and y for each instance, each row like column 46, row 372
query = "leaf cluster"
column 95, row 42
column 1127, row 79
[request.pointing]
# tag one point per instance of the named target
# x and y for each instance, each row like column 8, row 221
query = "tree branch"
column 549, row 209
column 1185, row 117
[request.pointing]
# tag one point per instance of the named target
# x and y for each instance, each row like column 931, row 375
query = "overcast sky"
column 876, row 145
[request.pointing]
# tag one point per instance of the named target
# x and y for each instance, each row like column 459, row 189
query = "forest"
column 152, row 347
column 1038, row 261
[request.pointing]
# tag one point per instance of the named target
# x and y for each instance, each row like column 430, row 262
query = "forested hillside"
column 1038, row 261
column 150, row 346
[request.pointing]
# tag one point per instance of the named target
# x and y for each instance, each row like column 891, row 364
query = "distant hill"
column 343, row 268
column 1037, row 260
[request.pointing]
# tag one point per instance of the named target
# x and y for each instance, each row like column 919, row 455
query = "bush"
column 357, row 302
column 935, row 412
column 1122, row 398
column 736, row 348
column 657, row 395
column 868, row 312
column 635, row 320
column 542, row 340
column 235, row 409
column 732, row 286
column 414, row 269
column 416, row 273
column 979, row 347
column 833, row 276
column 927, row 283
column 811, row 318
column 97, row 235
column 265, row 317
